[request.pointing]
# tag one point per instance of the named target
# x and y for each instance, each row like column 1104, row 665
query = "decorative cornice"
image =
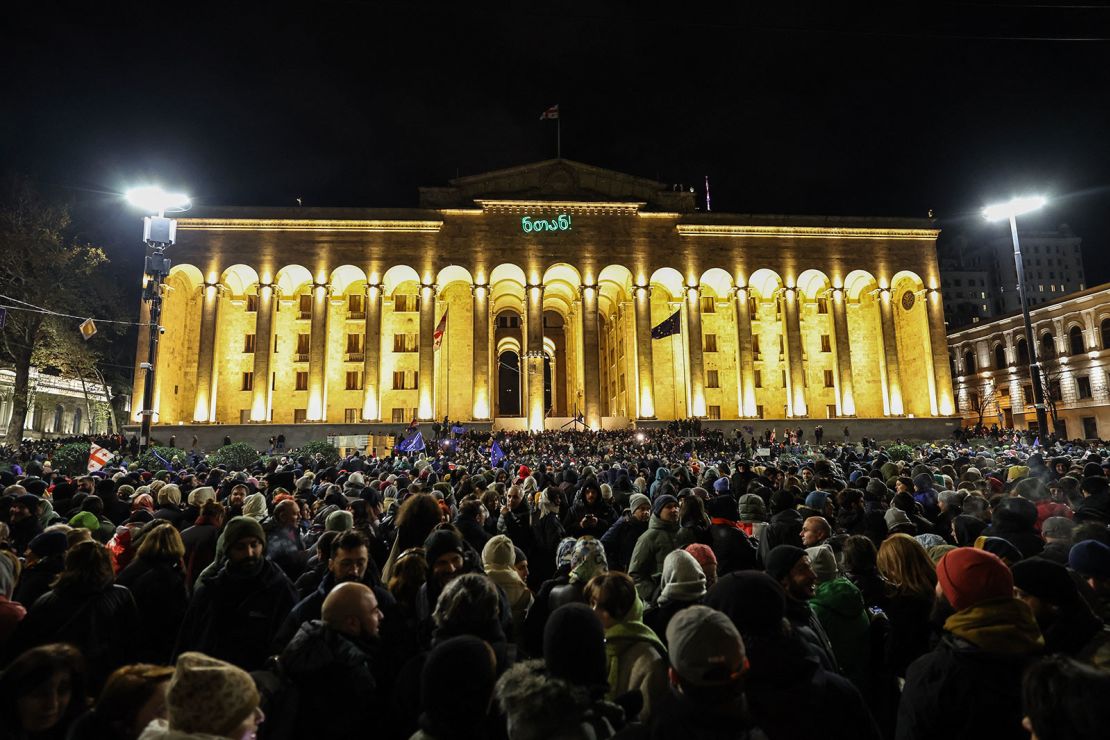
column 289, row 224
column 803, row 232
column 574, row 206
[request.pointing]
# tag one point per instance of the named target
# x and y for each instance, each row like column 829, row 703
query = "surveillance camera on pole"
column 159, row 232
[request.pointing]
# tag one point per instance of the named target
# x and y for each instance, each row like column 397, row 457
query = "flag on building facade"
column 667, row 327
column 550, row 113
column 98, row 457
column 441, row 329
column 496, row 455
column 413, row 443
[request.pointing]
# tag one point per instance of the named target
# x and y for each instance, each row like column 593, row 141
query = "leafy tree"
column 147, row 460
column 43, row 266
column 900, row 452
column 329, row 451
column 72, row 459
column 235, row 456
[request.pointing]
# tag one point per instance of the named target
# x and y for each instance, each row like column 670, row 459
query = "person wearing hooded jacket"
column 1015, row 520
column 589, row 515
column 653, row 546
column 240, row 600
column 498, row 559
column 683, row 585
column 728, row 539
column 620, row 539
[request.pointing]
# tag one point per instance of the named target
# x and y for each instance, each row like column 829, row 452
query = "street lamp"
column 1011, row 210
column 159, row 232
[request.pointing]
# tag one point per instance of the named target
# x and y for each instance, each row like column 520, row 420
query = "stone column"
column 694, row 342
column 371, row 354
column 644, row 370
column 890, row 352
column 796, row 369
column 744, row 358
column 425, row 411
column 318, row 354
column 263, row 347
column 481, row 398
column 533, row 295
column 846, row 395
column 940, row 376
column 592, row 356
column 206, row 356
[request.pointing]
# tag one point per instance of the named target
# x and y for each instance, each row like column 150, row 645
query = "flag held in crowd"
column 98, row 457
column 496, row 455
column 667, row 327
column 412, row 443
column 441, row 329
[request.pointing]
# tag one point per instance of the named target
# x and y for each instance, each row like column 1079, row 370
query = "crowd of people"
column 657, row 583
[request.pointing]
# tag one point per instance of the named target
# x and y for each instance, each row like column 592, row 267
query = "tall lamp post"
column 1011, row 210
column 159, row 233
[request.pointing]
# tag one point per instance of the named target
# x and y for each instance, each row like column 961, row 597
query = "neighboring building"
column 555, row 273
column 59, row 406
column 1072, row 334
column 979, row 280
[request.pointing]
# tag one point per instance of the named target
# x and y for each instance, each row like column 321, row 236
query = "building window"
column 244, row 416
column 1083, row 386
column 304, row 306
column 830, row 411
column 781, row 344
column 708, row 304
column 351, row 416
column 714, row 412
column 826, row 343
column 302, row 348
column 822, row 305
column 406, row 303
column 248, row 382
column 252, row 303
column 828, row 378
column 759, row 410
column 755, row 345
column 356, row 306
column 710, row 342
column 397, row 416
column 354, row 348
column 758, row 379
column 712, row 380
column 404, row 342
column 508, row 321
column 620, row 383
column 302, row 381
column 1027, row 395
column 1075, row 340
column 404, row 381
column 783, row 378
column 300, row 416
column 354, row 380
column 275, row 344
column 248, row 344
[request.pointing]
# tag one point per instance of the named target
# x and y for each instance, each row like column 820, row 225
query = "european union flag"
column 496, row 455
column 413, row 443
column 667, row 327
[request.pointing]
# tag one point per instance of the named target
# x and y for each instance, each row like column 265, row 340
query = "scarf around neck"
column 1003, row 626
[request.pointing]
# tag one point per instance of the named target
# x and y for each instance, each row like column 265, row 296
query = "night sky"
column 788, row 107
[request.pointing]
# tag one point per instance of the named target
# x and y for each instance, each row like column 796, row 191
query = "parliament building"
column 528, row 296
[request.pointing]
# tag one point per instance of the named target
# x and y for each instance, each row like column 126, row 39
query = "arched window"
column 1075, row 341
column 1105, row 333
column 1022, row 351
column 1048, row 346
column 1000, row 357
column 59, row 419
column 77, row 421
column 969, row 362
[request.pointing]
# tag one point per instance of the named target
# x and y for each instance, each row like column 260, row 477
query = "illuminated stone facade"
column 551, row 276
column 990, row 363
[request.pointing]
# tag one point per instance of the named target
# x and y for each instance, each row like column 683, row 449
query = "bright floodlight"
column 1015, row 207
column 153, row 199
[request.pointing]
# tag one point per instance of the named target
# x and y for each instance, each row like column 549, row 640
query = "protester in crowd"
column 207, row 698
column 790, row 566
column 705, row 558
column 42, row 692
column 911, row 575
column 200, row 541
column 1068, row 623
column 1091, row 560
column 1063, row 698
column 646, row 566
column 1057, row 532
column 156, row 580
column 11, row 612
column 132, row 698
column 498, row 559
column 683, row 585
column 456, row 689
column 732, row 546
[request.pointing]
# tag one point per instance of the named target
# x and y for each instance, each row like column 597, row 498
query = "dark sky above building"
column 866, row 108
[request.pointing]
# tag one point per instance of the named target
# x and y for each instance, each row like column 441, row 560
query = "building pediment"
column 559, row 180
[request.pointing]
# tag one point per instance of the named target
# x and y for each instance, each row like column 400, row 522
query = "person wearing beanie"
column 1015, row 520
column 240, row 600
column 1091, row 560
column 498, row 559
column 23, row 517
column 456, row 690
column 1068, row 623
column 339, row 521
column 784, row 527
column 721, row 486
column 707, row 559
column 683, row 585
column 653, row 546
column 620, row 540
column 445, row 553
column 791, row 569
column 925, row 494
column 1095, row 505
column 970, row 684
column 966, row 529
column 1004, row 549
column 897, row 522
column 1057, row 532
column 840, row 609
column 44, row 560
column 818, row 501
column 789, row 694
column 207, row 698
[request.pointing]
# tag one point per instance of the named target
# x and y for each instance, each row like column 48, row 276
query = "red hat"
column 969, row 577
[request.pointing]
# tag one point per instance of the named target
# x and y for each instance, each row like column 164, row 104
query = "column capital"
column 380, row 287
column 475, row 288
column 533, row 286
column 587, row 286
column 739, row 291
column 645, row 288
column 694, row 289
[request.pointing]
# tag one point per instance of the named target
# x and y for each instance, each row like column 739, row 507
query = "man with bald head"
column 815, row 531
column 330, row 662
column 283, row 538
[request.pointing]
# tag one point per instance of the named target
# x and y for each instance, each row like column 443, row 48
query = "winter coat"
column 646, row 565
column 158, row 588
column 285, row 548
column 309, row 608
column 620, row 540
column 733, row 548
column 911, row 629
column 36, row 579
column 872, row 586
column 175, row 515
column 805, row 623
column 785, row 528
column 515, row 525
column 691, row 532
column 1015, row 521
column 472, row 532
column 103, row 624
column 839, row 607
column 546, row 534
column 159, row 729
column 601, row 510
column 641, row 667
column 234, row 617
column 200, row 550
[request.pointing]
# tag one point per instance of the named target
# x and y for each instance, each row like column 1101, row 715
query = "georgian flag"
column 98, row 457
column 552, row 112
column 441, row 329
